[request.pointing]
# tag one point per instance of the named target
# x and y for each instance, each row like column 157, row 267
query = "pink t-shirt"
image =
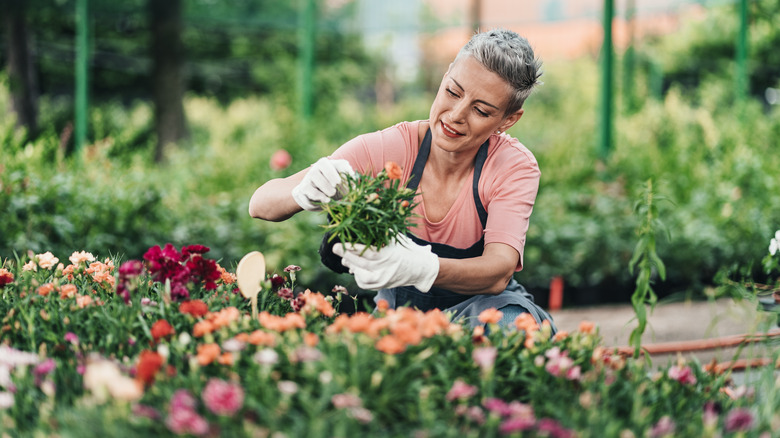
column 507, row 186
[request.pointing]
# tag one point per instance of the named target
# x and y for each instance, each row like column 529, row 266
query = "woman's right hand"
column 321, row 183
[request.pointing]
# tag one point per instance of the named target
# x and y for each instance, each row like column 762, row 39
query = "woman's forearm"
column 487, row 274
column 273, row 200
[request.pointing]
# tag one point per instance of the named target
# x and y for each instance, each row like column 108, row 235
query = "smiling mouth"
column 449, row 132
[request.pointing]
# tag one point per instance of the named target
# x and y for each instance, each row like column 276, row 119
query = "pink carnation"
column 682, row 374
column 222, row 397
column 484, row 357
column 186, row 421
column 461, row 390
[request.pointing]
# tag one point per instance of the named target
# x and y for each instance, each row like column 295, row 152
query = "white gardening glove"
column 401, row 263
column 321, row 183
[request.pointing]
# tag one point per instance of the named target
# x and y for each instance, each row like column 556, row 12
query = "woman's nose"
column 459, row 112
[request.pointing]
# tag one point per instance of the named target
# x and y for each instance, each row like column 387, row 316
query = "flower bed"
column 166, row 346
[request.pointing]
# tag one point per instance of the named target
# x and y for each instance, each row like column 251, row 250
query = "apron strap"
column 479, row 162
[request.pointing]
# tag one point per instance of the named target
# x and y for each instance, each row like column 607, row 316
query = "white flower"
column 774, row 246
column 82, row 256
column 6, row 400
column 287, row 387
column 47, row 260
column 266, row 356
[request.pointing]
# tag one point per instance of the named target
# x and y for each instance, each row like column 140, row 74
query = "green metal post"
column 742, row 48
column 82, row 73
column 629, row 100
column 307, row 35
column 605, row 143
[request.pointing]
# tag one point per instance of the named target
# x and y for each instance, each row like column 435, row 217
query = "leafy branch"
column 645, row 259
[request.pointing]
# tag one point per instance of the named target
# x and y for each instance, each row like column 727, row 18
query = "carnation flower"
column 81, row 256
column 461, row 391
column 149, row 363
column 161, row 329
column 665, row 427
column 196, row 308
column 222, row 397
column 485, row 357
column 346, row 400
column 682, row 374
column 6, row 277
column 47, row 260
column 739, row 420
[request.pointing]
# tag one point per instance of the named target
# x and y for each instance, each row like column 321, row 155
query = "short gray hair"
column 511, row 57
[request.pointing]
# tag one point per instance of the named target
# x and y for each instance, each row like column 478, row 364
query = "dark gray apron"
column 467, row 307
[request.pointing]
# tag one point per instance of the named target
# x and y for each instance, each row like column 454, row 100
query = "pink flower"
column 553, row 429
column 280, row 160
column 665, row 427
column 682, row 374
column 496, row 405
column 739, row 420
column 222, row 397
column 461, row 391
column 292, row 268
column 71, row 337
column 47, row 260
column 518, row 424
column 82, row 256
column 183, row 421
column 182, row 399
column 574, row 373
column 346, row 400
column 485, row 357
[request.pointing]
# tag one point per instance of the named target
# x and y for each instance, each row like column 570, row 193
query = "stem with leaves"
column 645, row 260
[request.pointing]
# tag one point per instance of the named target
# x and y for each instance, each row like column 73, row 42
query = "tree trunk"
column 167, row 83
column 21, row 75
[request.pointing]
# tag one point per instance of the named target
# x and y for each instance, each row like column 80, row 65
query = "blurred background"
column 136, row 123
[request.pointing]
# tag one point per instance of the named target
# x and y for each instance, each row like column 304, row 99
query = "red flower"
column 149, row 363
column 6, row 277
column 201, row 269
column 196, row 308
column 280, row 160
column 189, row 250
column 161, row 329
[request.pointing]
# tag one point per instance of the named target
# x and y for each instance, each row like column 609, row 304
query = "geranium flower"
column 161, row 329
column 222, row 397
column 461, row 391
column 6, row 277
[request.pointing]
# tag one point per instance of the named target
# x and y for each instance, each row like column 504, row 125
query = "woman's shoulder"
column 508, row 151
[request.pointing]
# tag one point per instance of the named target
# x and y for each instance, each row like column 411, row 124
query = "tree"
column 167, row 82
column 21, row 76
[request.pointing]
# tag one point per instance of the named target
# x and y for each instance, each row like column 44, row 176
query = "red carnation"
column 196, row 308
column 149, row 363
column 162, row 329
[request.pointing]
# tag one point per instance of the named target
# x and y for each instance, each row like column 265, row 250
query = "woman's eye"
column 451, row 93
column 481, row 113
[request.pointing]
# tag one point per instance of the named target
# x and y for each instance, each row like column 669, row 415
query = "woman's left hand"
column 401, row 263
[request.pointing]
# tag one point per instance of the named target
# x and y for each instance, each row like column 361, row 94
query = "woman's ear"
column 511, row 119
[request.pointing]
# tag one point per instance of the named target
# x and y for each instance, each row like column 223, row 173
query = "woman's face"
column 469, row 106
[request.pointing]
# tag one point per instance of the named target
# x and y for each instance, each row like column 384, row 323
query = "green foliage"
column 372, row 210
column 646, row 260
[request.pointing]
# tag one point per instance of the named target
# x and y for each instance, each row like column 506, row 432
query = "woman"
column 476, row 189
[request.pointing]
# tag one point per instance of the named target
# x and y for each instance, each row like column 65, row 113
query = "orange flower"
column 68, row 272
column 390, row 344
column 196, row 308
column 46, row 289
column 149, row 363
column 226, row 358
column 225, row 316
column 587, row 327
column 207, row 353
column 393, row 170
column 281, row 324
column 161, row 329
column 83, row 301
column 311, row 339
column 359, row 322
column 407, row 333
column 317, row 301
column 260, row 337
column 225, row 276
column 243, row 337
column 382, row 305
column 68, row 291
column 490, row 316
column 526, row 323
column 561, row 335
column 202, row 328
